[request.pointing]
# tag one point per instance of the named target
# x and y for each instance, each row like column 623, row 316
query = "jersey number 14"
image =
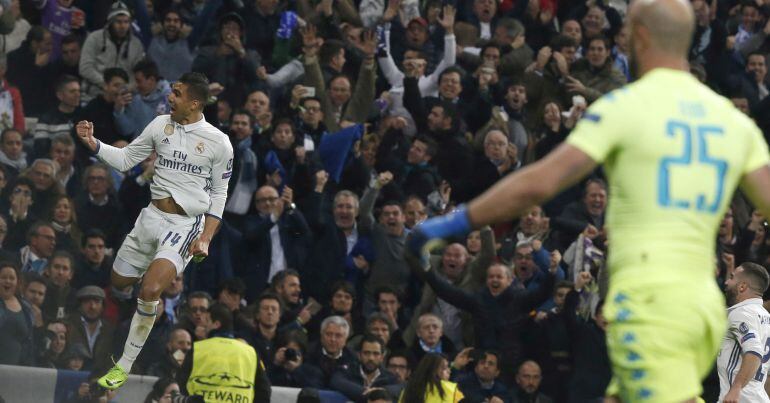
column 701, row 202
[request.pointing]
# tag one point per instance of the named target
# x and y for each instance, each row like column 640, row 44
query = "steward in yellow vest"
column 222, row 368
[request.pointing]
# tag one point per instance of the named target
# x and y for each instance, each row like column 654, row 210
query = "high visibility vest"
column 223, row 371
column 452, row 394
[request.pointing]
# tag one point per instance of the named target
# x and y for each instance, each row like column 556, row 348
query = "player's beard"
column 731, row 295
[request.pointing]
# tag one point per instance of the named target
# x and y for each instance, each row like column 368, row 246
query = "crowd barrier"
column 43, row 385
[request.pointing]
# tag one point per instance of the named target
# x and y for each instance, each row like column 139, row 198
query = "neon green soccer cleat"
column 114, row 379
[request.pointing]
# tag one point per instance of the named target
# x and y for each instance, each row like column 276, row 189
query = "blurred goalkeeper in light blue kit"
column 674, row 152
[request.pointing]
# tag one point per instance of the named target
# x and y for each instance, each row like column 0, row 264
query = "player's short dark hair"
column 220, row 313
column 756, row 276
column 197, row 86
column 370, row 338
column 147, row 67
column 113, row 72
column 64, row 80
column 93, row 233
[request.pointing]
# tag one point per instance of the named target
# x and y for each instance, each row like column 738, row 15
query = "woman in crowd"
column 15, row 320
column 429, row 383
column 64, row 221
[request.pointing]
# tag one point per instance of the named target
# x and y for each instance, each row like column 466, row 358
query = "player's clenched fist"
column 85, row 131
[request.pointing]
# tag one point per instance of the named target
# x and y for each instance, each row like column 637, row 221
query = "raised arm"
column 360, row 103
column 756, row 185
column 124, row 158
column 454, row 295
column 388, row 66
column 486, row 256
column 366, row 216
column 449, row 58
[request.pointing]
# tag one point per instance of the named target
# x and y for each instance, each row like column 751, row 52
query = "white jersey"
column 194, row 163
column 748, row 333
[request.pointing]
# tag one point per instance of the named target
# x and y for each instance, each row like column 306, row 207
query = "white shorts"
column 157, row 235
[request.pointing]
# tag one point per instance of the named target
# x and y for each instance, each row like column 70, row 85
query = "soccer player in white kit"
column 189, row 189
column 743, row 359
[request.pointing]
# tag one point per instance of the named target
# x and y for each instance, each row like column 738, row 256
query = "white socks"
column 141, row 324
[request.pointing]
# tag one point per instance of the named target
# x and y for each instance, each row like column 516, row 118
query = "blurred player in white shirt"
column 743, row 359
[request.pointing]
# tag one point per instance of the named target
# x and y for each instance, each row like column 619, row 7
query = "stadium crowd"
column 351, row 121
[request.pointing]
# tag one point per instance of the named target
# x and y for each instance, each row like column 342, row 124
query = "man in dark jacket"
column 331, row 355
column 341, row 250
column 483, row 383
column 410, row 164
column 98, row 207
column 583, row 215
column 438, row 117
column 528, row 380
column 591, row 362
column 595, row 75
column 229, row 63
column 274, row 239
column 499, row 310
column 369, row 373
column 28, row 69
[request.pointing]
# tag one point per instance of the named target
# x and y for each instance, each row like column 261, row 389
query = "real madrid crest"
column 169, row 129
column 199, row 148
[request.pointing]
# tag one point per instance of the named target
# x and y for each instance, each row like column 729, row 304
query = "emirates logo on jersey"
column 199, row 148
